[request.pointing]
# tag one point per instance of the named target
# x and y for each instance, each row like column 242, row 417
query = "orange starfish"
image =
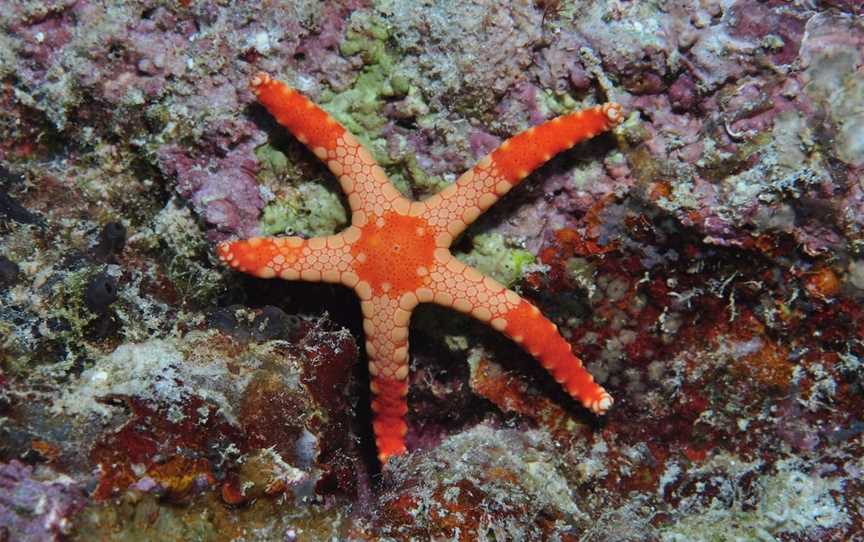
column 395, row 254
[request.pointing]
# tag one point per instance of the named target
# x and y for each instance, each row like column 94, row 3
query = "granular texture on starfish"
column 395, row 254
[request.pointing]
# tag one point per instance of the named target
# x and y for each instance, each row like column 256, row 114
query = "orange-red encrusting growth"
column 396, row 252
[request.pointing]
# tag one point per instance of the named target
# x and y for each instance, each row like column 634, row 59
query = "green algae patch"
column 429, row 184
column 557, row 103
column 359, row 108
column 271, row 158
column 497, row 257
column 309, row 209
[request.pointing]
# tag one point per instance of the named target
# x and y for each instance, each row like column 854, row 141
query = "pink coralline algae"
column 222, row 189
column 682, row 93
column 37, row 503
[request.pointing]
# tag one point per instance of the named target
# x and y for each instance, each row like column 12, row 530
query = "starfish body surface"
column 395, row 254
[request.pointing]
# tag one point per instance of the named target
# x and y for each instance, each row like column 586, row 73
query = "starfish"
column 395, row 254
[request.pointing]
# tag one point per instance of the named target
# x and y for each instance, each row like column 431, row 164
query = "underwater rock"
column 37, row 503
column 704, row 261
column 483, row 480
column 9, row 272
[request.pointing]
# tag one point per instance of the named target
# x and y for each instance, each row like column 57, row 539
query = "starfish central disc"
column 394, row 253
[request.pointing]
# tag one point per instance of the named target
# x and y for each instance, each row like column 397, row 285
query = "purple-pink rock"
column 223, row 189
column 37, row 504
column 682, row 94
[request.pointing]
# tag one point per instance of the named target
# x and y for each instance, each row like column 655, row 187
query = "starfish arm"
column 454, row 284
column 385, row 322
column 326, row 259
column 457, row 206
column 364, row 182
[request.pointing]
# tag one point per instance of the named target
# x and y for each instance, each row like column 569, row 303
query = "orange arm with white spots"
column 454, row 284
column 325, row 259
column 457, row 206
column 364, row 182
